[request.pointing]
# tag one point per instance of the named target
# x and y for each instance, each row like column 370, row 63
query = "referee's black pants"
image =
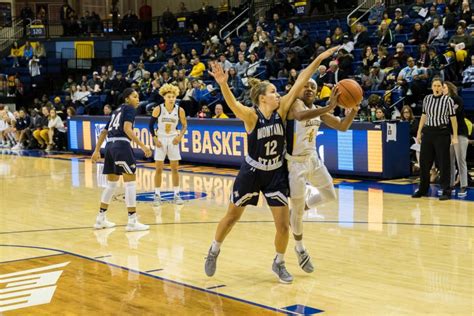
column 435, row 143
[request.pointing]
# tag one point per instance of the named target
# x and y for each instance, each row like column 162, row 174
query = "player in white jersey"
column 167, row 139
column 304, row 165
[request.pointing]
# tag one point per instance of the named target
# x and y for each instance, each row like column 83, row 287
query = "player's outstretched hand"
column 95, row 156
column 218, row 73
column 333, row 100
column 147, row 151
column 329, row 52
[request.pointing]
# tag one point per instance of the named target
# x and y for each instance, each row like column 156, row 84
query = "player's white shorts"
column 306, row 169
column 167, row 149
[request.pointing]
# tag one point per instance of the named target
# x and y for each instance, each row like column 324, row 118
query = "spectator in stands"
column 235, row 82
column 139, row 72
column 231, row 54
column 16, row 53
column 204, row 112
column 145, row 13
column 41, row 128
column 399, row 23
column 386, row 18
column 466, row 13
column 93, row 84
column 34, row 69
column 368, row 59
column 107, row 110
column 292, row 76
column 382, row 57
column 437, row 63
column 361, row 36
column 242, row 65
column 291, row 62
column 376, row 13
column 293, row 30
column 337, row 37
column 437, row 34
column 22, row 123
column 65, row 16
column 379, row 114
column 429, row 20
column 321, row 76
column 254, row 64
column 27, row 51
column 226, row 65
column 70, row 112
column 255, row 45
column 449, row 19
column 385, row 35
column 117, row 86
column 247, row 35
column 278, row 34
column 39, row 51
column 423, row 55
column 413, row 80
column 460, row 43
column 79, row 98
column 400, row 54
column 68, row 84
column 182, row 82
column 419, row 35
column 468, row 75
column 376, row 78
column 407, row 116
column 55, row 126
column 415, row 8
column 219, row 112
column 458, row 151
column 198, row 68
column 175, row 50
column 57, row 105
column 338, row 74
column 347, row 43
column 145, row 85
column 243, row 48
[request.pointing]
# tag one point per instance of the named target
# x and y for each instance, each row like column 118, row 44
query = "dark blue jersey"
column 266, row 143
column 115, row 127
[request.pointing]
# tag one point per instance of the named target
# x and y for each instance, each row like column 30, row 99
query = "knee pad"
column 131, row 194
column 296, row 215
column 108, row 192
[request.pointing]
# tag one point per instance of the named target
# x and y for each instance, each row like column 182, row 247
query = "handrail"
column 244, row 23
column 12, row 34
column 232, row 21
column 356, row 10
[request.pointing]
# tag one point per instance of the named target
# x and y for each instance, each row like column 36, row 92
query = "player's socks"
column 279, row 257
column 299, row 245
column 216, row 246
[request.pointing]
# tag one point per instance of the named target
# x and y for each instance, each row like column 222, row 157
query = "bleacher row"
column 318, row 31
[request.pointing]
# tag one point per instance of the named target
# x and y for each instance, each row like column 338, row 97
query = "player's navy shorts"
column 250, row 182
column 119, row 158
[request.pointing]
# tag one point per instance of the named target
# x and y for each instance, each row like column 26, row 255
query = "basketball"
column 351, row 93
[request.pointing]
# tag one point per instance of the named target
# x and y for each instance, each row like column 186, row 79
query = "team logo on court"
column 29, row 287
column 166, row 196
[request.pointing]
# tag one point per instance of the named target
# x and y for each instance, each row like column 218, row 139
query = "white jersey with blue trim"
column 168, row 121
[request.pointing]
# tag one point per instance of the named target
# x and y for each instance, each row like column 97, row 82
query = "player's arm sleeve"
column 151, row 125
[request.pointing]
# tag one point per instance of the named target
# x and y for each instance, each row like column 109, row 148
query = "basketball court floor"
column 376, row 250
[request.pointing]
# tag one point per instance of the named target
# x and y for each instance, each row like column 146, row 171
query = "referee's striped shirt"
column 438, row 110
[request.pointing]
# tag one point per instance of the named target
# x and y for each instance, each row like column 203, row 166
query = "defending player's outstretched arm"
column 242, row 112
column 303, row 77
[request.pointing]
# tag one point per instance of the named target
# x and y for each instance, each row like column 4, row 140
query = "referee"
column 434, row 134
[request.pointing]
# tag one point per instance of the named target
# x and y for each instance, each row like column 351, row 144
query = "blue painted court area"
column 168, row 196
column 303, row 310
